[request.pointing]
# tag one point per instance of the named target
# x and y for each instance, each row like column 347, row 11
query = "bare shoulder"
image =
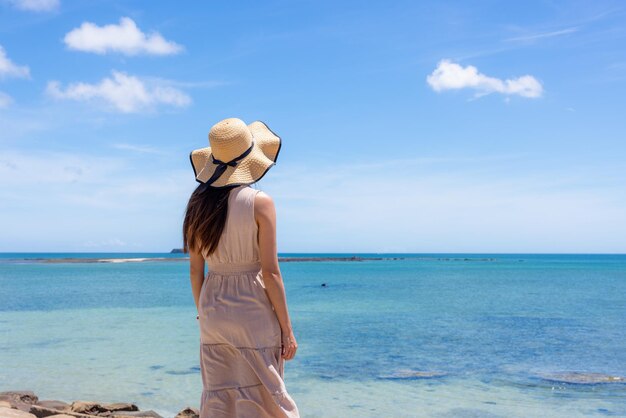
column 263, row 198
column 264, row 205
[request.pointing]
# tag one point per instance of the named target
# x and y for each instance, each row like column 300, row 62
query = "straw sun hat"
column 238, row 153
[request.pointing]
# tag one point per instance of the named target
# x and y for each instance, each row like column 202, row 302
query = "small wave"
column 124, row 260
column 110, row 260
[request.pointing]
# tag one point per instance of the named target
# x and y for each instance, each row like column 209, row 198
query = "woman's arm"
column 196, row 274
column 265, row 214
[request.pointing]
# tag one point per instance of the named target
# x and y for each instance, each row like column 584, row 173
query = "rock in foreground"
column 25, row 404
column 189, row 413
column 19, row 399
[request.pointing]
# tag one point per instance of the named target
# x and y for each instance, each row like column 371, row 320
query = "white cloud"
column 36, row 5
column 451, row 76
column 125, row 38
column 5, row 100
column 125, row 93
column 10, row 69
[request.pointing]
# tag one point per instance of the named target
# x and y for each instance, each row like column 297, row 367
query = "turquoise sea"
column 411, row 335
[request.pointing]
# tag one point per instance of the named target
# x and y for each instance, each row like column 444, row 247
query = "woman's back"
column 238, row 248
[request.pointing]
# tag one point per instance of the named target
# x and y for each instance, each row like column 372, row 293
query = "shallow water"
column 423, row 336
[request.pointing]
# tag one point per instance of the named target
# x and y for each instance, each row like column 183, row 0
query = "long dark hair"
column 205, row 218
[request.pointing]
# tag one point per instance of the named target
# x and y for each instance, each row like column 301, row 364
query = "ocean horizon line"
column 329, row 252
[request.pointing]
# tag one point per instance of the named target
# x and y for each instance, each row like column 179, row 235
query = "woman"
column 245, row 330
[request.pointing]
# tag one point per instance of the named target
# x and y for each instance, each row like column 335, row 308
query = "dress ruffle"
column 244, row 402
column 247, row 381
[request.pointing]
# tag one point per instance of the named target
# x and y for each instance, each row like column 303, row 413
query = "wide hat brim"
column 248, row 170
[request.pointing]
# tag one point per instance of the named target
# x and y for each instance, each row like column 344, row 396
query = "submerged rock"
column 468, row 413
column 581, row 378
column 413, row 374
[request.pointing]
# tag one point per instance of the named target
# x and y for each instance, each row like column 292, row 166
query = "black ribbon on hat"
column 222, row 166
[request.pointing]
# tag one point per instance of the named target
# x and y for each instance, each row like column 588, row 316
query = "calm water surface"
column 428, row 335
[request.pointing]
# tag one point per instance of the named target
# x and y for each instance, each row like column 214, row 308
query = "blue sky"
column 431, row 126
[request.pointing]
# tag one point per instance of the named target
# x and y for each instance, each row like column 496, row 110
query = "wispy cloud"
column 410, row 204
column 125, row 38
column 5, row 100
column 90, row 179
column 107, row 243
column 517, row 37
column 141, row 149
column 20, row 169
column 203, row 84
column 129, row 203
column 36, row 5
column 444, row 206
column 121, row 92
column 543, row 35
column 452, row 76
column 9, row 69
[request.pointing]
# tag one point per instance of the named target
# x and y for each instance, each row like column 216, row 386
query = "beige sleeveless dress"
column 240, row 361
